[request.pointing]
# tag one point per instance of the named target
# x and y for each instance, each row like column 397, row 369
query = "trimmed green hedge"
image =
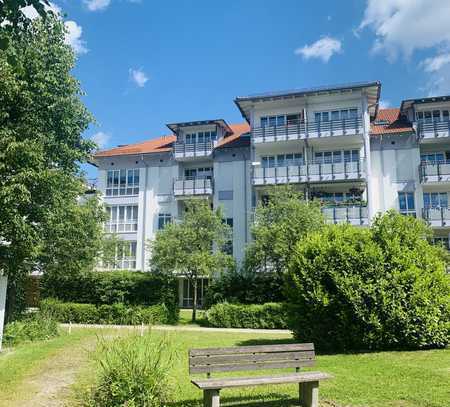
column 109, row 287
column 118, row 314
column 256, row 316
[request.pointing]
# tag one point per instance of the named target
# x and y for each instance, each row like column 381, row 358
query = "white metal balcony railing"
column 437, row 216
column 192, row 187
column 313, row 172
column 434, row 172
column 192, row 150
column 314, row 129
column 355, row 215
column 433, row 129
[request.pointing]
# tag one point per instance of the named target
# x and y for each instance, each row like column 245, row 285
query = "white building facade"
column 332, row 143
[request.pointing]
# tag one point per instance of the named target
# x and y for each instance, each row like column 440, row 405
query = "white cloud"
column 31, row 13
column 138, row 76
column 402, row 27
column 322, row 49
column 73, row 37
column 384, row 104
column 101, row 139
column 96, row 5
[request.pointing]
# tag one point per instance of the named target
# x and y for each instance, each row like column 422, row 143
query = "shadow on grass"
column 281, row 400
column 263, row 341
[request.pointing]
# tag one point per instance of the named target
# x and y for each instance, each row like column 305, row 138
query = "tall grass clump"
column 133, row 371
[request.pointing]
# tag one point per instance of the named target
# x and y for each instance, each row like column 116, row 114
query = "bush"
column 119, row 314
column 34, row 327
column 109, row 287
column 132, row 371
column 257, row 316
column 245, row 288
column 378, row 288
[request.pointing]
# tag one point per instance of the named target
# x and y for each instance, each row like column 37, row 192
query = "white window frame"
column 125, row 256
column 330, row 115
column 122, row 182
column 116, row 223
column 163, row 220
column 331, row 157
column 407, row 210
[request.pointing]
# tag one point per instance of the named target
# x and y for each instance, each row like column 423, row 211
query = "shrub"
column 132, row 371
column 33, row 327
column 257, row 316
column 109, row 287
column 378, row 288
column 245, row 288
column 120, row 314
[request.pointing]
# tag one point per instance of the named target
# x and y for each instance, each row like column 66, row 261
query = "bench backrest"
column 242, row 358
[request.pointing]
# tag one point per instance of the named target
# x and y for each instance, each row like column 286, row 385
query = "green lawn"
column 384, row 379
column 186, row 317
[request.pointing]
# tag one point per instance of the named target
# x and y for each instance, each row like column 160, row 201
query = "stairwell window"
column 121, row 218
column 406, row 203
column 122, row 182
column 124, row 257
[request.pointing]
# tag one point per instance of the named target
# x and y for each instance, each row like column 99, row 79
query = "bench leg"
column 211, row 398
column 309, row 394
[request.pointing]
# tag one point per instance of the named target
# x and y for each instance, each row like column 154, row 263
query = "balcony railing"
column 192, row 187
column 434, row 172
column 312, row 172
column 298, row 131
column 193, row 150
column 437, row 216
column 433, row 129
column 355, row 215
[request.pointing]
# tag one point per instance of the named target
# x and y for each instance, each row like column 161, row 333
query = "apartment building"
column 333, row 143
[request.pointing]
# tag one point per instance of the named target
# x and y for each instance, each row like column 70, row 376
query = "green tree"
column 192, row 246
column 281, row 220
column 380, row 288
column 41, row 148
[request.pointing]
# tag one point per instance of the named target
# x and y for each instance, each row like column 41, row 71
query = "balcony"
column 355, row 215
column 186, row 188
column 310, row 130
column 433, row 130
column 190, row 151
column 313, row 172
column 438, row 172
column 437, row 217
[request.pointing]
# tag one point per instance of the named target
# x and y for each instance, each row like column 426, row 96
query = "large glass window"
column 406, row 203
column 336, row 115
column 432, row 158
column 124, row 257
column 435, row 200
column 280, row 120
column 228, row 248
column 202, row 172
column 121, row 218
column 282, row 160
column 334, row 157
column 122, row 182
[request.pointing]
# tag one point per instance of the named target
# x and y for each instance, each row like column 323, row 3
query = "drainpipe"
column 246, row 178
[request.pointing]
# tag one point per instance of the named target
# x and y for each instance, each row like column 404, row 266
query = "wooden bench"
column 248, row 358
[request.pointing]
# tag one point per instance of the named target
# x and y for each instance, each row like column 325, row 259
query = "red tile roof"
column 164, row 143
column 390, row 121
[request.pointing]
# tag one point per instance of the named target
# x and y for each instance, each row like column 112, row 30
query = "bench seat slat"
column 251, row 366
column 252, row 349
column 249, row 357
column 223, row 383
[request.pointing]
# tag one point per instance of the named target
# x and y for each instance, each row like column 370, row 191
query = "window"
column 441, row 241
column 121, row 218
column 228, row 247
column 432, row 158
column 406, row 203
column 281, row 120
column 282, row 160
column 334, row 157
column 339, row 197
column 122, row 182
column 336, row 115
column 268, row 162
column 433, row 116
column 202, row 173
column 200, row 137
column 163, row 220
column 125, row 256
column 435, row 200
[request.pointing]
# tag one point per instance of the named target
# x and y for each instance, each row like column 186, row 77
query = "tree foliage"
column 41, row 148
column 192, row 246
column 281, row 220
column 380, row 288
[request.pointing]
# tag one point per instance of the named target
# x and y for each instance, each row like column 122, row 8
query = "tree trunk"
column 194, row 305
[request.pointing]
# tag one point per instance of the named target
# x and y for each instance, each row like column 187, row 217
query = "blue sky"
column 146, row 63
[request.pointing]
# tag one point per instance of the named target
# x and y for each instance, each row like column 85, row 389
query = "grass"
column 382, row 379
column 186, row 317
column 26, row 361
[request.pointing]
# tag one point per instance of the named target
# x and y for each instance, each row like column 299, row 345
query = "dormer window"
column 200, row 137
